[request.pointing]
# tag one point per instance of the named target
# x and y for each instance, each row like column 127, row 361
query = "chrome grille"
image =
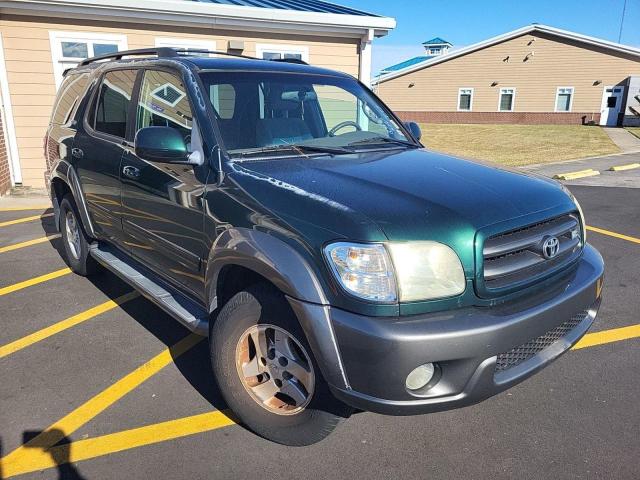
column 524, row 352
column 517, row 256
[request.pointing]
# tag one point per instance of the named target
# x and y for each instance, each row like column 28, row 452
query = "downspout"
column 365, row 57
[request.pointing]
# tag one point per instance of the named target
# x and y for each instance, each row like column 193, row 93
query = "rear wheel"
column 266, row 372
column 74, row 239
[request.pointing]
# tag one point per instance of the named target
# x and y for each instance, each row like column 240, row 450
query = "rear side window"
column 69, row 94
column 113, row 100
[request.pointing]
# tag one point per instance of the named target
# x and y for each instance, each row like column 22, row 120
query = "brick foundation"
column 5, row 176
column 526, row 118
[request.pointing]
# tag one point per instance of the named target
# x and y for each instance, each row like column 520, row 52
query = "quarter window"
column 112, row 106
column 507, row 96
column 164, row 103
column 465, row 99
column 72, row 87
column 564, row 99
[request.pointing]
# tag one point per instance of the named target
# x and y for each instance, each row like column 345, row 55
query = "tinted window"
column 164, row 103
column 114, row 97
column 71, row 89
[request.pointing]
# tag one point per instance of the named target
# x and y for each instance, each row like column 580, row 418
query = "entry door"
column 611, row 106
column 162, row 213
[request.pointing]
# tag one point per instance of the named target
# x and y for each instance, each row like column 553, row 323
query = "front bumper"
column 377, row 353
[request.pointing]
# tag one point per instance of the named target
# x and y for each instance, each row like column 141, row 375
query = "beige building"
column 39, row 39
column 537, row 74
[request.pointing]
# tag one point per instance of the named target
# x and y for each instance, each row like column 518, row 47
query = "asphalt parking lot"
column 97, row 383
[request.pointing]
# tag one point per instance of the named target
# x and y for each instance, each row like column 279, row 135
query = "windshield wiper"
column 300, row 148
column 381, row 139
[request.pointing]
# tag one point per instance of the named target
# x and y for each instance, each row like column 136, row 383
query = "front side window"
column 465, row 99
column 111, row 111
column 266, row 110
column 564, row 99
column 164, row 103
column 507, row 96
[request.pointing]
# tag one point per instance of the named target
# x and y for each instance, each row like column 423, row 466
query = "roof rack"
column 160, row 52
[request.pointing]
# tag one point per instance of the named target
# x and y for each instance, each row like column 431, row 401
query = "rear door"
column 163, row 209
column 99, row 147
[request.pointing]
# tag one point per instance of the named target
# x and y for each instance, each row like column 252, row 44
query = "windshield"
column 261, row 112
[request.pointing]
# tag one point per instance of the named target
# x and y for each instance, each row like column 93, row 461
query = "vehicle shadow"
column 194, row 364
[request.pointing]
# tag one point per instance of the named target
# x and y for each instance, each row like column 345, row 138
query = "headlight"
column 423, row 270
column 363, row 270
column 426, row 270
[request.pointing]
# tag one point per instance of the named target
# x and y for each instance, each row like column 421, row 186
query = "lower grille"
column 524, row 352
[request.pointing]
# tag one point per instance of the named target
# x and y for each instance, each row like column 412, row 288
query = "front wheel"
column 266, row 372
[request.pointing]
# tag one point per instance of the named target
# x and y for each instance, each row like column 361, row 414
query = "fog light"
column 420, row 376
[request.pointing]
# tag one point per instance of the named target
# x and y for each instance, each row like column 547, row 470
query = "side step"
column 175, row 303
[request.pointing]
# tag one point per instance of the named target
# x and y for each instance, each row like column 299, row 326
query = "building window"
column 187, row 44
column 281, row 52
column 465, row 99
column 507, row 97
column 70, row 48
column 564, row 99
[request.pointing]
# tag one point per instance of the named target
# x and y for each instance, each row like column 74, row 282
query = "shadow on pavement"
column 61, row 453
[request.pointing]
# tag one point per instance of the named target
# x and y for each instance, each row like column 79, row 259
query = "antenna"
column 624, row 10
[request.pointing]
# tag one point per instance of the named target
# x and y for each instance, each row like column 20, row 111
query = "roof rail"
column 289, row 60
column 161, row 52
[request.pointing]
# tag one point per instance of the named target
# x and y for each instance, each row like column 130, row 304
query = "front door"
column 162, row 202
column 611, row 106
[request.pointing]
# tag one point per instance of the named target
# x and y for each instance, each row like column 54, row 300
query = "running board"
column 175, row 303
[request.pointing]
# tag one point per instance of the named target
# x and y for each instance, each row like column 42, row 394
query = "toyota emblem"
column 550, row 247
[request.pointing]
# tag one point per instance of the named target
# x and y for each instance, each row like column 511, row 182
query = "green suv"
column 335, row 263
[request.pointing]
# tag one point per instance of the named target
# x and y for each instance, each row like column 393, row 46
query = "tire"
column 261, row 306
column 75, row 241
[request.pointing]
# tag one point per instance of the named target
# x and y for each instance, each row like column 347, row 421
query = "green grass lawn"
column 634, row 130
column 516, row 145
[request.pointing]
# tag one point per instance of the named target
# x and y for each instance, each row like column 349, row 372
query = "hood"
column 396, row 195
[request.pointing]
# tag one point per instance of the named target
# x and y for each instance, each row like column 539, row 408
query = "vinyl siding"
column 31, row 78
column 554, row 62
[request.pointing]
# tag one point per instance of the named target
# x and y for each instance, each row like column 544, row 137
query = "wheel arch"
column 64, row 179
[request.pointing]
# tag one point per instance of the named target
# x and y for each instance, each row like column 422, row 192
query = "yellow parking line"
column 47, row 332
column 21, row 209
column 18, row 460
column 613, row 234
column 608, row 336
column 25, row 219
column 34, row 281
column 28, row 243
column 39, row 458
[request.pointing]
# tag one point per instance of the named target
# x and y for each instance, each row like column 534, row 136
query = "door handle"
column 77, row 152
column 131, row 172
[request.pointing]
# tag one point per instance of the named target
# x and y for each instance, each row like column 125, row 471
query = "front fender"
column 268, row 256
column 292, row 274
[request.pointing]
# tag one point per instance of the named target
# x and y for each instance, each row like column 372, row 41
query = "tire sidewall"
column 78, row 265
column 260, row 305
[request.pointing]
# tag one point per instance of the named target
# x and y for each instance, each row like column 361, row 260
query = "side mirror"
column 414, row 128
column 161, row 144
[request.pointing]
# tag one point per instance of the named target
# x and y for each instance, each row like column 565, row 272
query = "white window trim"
column 470, row 102
column 56, row 38
column 186, row 43
column 11, row 140
column 555, row 104
column 513, row 99
column 303, row 50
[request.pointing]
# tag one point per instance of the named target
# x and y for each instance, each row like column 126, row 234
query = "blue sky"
column 466, row 22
